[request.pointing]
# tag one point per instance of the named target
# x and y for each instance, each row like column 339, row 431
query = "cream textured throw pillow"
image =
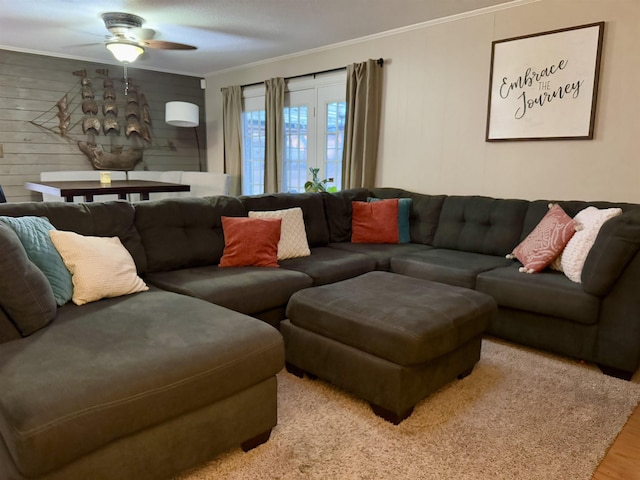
column 575, row 253
column 293, row 236
column 100, row 267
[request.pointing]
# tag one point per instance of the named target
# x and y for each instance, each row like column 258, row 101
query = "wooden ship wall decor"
column 96, row 107
column 41, row 119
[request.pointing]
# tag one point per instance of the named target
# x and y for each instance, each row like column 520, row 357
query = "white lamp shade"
column 182, row 114
column 125, row 52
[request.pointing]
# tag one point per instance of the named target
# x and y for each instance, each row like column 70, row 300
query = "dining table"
column 88, row 189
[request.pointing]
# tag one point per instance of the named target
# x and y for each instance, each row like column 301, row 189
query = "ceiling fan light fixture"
column 125, row 51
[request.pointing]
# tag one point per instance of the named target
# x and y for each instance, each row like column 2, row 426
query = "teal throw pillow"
column 33, row 232
column 404, row 211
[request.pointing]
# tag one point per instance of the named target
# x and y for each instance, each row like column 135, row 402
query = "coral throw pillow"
column 404, row 213
column 375, row 222
column 546, row 241
column 293, row 235
column 250, row 242
column 100, row 266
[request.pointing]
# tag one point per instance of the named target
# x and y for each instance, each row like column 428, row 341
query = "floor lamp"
column 184, row 114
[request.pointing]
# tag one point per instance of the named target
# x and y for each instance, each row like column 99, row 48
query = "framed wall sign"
column 544, row 86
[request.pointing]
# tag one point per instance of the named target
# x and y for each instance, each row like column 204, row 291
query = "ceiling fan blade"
column 84, row 45
column 162, row 45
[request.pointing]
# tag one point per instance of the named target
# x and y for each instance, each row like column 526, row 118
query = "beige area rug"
column 522, row 414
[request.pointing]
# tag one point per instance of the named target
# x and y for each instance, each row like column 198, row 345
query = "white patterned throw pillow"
column 575, row 253
column 293, row 236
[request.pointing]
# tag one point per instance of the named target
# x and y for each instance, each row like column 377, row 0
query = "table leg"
column 122, row 196
column 68, row 199
column 88, row 198
column 144, row 196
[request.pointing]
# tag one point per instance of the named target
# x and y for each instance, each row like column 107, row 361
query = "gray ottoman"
column 387, row 338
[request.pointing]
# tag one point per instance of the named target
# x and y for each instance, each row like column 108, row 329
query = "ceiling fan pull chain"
column 126, row 80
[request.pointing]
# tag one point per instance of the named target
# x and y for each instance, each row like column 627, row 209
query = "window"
column 253, row 139
column 332, row 119
column 295, row 148
column 314, row 117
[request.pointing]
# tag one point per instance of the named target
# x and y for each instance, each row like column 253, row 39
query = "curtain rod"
column 380, row 62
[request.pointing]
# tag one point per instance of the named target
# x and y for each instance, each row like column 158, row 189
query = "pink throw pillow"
column 546, row 241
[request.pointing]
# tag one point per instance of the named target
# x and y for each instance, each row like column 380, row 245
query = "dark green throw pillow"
column 25, row 293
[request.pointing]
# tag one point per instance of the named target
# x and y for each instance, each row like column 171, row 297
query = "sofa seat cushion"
column 447, row 266
column 382, row 253
column 329, row 265
column 246, row 290
column 547, row 293
column 111, row 368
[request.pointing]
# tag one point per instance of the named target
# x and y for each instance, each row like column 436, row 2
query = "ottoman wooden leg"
column 466, row 373
column 390, row 416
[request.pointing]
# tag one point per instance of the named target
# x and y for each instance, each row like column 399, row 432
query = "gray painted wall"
column 436, row 83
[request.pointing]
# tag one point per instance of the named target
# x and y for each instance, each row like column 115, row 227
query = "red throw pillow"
column 250, row 242
column 375, row 222
column 546, row 241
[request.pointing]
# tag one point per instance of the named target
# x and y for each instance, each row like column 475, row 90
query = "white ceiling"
column 227, row 33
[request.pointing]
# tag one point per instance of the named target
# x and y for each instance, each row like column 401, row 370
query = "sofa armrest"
column 8, row 330
column 617, row 243
column 618, row 340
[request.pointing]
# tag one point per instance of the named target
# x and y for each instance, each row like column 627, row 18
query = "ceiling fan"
column 128, row 39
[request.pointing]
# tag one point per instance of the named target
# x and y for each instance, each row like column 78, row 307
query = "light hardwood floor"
column 622, row 461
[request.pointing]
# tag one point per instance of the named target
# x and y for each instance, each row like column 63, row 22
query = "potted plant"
column 315, row 185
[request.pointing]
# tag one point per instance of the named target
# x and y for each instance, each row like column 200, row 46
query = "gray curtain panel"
column 361, row 132
column 274, row 121
column 232, row 132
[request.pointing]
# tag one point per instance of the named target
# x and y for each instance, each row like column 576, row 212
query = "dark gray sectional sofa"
column 147, row 385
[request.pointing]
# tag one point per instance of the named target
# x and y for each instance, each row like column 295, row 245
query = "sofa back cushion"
column 338, row 211
column 312, row 210
column 480, row 224
column 99, row 219
column 425, row 212
column 184, row 232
